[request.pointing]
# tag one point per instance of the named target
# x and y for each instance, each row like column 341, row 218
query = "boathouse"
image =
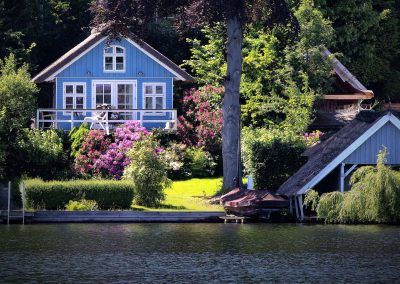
column 331, row 162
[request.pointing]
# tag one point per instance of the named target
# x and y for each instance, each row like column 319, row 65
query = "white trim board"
column 350, row 149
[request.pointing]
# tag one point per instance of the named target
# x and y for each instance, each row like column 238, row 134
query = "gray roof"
column 95, row 37
column 344, row 74
column 323, row 153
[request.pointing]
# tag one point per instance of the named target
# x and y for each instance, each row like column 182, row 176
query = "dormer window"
column 114, row 59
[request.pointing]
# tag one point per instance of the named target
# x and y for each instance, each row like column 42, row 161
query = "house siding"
column 90, row 65
column 388, row 136
column 89, row 68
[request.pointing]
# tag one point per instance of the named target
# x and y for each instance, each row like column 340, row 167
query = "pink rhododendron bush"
column 106, row 156
column 201, row 122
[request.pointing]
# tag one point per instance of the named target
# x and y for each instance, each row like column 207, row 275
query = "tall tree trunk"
column 231, row 106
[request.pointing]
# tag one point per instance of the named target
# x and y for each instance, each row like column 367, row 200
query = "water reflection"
column 196, row 253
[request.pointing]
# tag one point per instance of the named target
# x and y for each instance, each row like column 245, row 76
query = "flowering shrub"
column 114, row 160
column 201, row 122
column 312, row 138
column 94, row 145
column 174, row 159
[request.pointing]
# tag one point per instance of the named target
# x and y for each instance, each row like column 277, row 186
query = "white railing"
column 104, row 118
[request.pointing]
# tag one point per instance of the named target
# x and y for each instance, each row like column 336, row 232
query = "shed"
column 358, row 143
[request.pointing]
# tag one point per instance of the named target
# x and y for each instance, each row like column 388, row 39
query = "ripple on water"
column 198, row 253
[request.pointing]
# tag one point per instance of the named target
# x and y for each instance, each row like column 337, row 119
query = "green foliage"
column 17, row 96
column 311, row 199
column 373, row 198
column 207, row 60
column 329, row 206
column 147, row 171
column 81, row 205
column 271, row 156
column 201, row 163
column 40, row 149
column 281, row 78
column 368, row 36
column 77, row 136
column 17, row 107
column 52, row 195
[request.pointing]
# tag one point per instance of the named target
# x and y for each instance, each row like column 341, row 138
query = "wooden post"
column 290, row 205
column 37, row 119
column 300, row 200
column 72, row 120
column 296, row 206
column 9, row 203
column 342, row 176
column 22, row 188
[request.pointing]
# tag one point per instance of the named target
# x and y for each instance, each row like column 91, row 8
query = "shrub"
column 271, row 156
column 201, row 122
column 175, row 163
column 76, row 137
column 81, row 205
column 201, row 164
column 54, row 195
column 44, row 154
column 311, row 200
column 148, row 173
column 329, row 206
column 17, row 107
column 94, row 145
column 114, row 160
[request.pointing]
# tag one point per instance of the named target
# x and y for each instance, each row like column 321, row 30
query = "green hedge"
column 53, row 195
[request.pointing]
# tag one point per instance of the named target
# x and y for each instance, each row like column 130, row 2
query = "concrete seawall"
column 123, row 216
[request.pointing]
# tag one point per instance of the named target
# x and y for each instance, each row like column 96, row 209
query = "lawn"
column 190, row 195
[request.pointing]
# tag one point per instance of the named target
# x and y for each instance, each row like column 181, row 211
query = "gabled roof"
column 49, row 73
column 347, row 80
column 326, row 156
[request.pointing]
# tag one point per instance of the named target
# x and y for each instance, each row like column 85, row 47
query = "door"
column 117, row 95
column 125, row 99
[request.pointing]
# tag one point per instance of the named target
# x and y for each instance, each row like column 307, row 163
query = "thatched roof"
column 95, row 38
column 325, row 152
column 344, row 74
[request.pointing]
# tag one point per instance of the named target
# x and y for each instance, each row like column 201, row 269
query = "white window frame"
column 154, row 96
column 114, row 56
column 74, row 95
column 114, row 91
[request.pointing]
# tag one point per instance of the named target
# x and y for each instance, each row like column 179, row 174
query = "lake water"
column 199, row 253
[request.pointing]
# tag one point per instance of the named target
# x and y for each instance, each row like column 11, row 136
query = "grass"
column 189, row 195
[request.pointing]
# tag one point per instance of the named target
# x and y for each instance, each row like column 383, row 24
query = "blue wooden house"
column 107, row 84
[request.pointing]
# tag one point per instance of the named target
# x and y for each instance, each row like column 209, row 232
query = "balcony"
column 106, row 119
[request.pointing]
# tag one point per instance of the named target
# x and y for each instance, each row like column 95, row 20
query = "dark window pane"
column 159, row 103
column 79, row 89
column 149, row 103
column 69, row 89
column 148, row 90
column 107, row 88
column 159, row 90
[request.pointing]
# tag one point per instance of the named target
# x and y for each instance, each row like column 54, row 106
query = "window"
column 154, row 95
column 74, row 96
column 114, row 59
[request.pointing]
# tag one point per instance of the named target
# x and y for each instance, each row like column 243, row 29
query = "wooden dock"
column 232, row 218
